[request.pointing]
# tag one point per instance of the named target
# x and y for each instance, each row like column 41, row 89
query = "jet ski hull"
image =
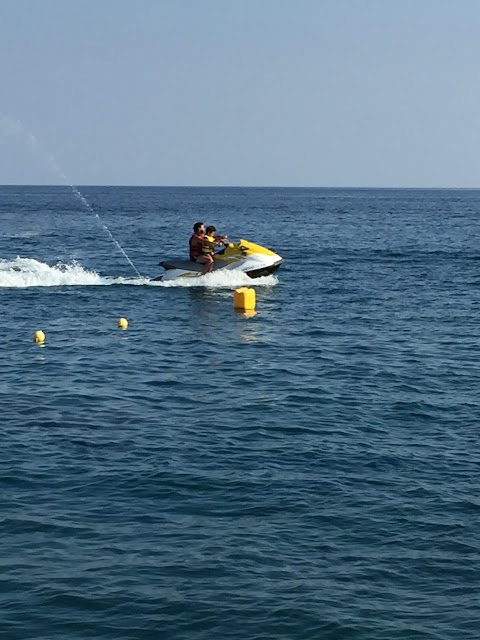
column 264, row 271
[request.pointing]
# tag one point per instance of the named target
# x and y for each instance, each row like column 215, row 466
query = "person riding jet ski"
column 243, row 256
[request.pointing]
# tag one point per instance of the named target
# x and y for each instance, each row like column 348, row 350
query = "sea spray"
column 11, row 127
column 222, row 279
column 28, row 272
column 19, row 273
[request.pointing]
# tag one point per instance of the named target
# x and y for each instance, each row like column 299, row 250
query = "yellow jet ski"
column 244, row 256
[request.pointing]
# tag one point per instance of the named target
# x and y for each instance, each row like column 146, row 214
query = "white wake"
column 28, row 272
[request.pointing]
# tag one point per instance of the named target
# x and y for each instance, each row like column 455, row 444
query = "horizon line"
column 233, row 186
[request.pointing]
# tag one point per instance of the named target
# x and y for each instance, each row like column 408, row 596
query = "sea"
column 310, row 471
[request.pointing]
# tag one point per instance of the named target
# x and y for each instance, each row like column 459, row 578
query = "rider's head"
column 211, row 229
column 198, row 226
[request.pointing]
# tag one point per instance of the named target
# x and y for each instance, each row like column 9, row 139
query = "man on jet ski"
column 196, row 240
column 202, row 244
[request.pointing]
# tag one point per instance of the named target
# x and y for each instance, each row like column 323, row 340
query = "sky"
column 320, row 93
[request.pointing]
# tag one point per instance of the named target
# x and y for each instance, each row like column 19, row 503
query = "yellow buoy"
column 244, row 298
column 39, row 336
column 123, row 323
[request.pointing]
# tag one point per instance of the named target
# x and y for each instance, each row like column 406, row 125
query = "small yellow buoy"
column 123, row 323
column 244, row 298
column 39, row 336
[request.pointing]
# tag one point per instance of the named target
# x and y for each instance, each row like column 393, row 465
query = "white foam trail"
column 11, row 127
column 220, row 280
column 28, row 272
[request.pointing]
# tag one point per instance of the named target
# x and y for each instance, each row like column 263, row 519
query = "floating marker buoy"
column 244, row 298
column 123, row 323
column 39, row 336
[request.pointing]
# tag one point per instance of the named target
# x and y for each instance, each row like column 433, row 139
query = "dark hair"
column 197, row 226
column 210, row 229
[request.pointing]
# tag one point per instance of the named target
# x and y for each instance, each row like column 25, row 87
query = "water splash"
column 28, row 272
column 15, row 127
column 221, row 280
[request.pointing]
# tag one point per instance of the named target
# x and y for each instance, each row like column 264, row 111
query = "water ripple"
column 308, row 472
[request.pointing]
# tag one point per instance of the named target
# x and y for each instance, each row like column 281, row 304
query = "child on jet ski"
column 210, row 241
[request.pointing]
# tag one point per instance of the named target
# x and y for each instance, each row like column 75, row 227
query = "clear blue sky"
column 250, row 92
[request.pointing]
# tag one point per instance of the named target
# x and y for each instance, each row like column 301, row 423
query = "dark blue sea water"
column 308, row 472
